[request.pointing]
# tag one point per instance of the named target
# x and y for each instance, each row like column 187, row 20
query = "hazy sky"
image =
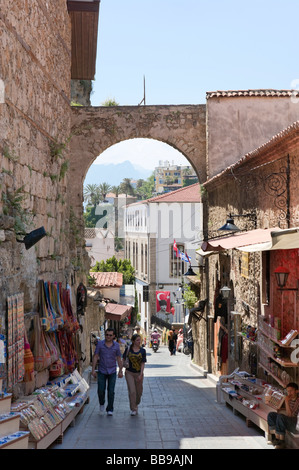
column 185, row 48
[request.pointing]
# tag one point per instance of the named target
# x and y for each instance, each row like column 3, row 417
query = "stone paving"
column 178, row 411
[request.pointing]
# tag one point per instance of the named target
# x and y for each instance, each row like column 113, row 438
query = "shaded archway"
column 94, row 129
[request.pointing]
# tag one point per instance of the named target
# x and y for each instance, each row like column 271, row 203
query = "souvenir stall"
column 47, row 349
column 276, row 342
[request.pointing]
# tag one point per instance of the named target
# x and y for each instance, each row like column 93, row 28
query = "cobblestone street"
column 178, row 411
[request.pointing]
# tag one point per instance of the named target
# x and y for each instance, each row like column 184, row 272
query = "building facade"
column 151, row 227
column 258, row 193
column 169, row 177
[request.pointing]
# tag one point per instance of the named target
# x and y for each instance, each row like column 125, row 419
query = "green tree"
column 126, row 187
column 189, row 297
column 104, row 188
column 145, row 191
column 113, row 265
column 91, row 194
column 115, row 190
column 90, row 218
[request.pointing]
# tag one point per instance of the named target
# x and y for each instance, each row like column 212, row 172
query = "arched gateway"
column 94, row 129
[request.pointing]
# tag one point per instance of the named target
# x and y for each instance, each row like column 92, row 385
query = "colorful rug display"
column 52, row 343
column 54, row 329
column 15, row 339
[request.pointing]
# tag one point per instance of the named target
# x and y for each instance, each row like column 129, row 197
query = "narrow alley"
column 178, row 411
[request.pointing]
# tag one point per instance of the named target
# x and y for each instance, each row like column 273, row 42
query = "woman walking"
column 136, row 355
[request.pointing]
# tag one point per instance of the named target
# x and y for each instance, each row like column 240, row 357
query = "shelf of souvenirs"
column 283, row 380
column 274, row 354
column 51, row 409
column 256, row 392
column 273, row 331
column 249, row 333
column 277, row 371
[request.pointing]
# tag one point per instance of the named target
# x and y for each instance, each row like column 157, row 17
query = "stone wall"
column 267, row 183
column 95, row 129
column 35, row 129
column 239, row 124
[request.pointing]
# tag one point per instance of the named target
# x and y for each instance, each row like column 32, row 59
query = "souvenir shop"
column 269, row 346
column 39, row 355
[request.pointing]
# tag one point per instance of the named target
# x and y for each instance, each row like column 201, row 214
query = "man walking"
column 107, row 353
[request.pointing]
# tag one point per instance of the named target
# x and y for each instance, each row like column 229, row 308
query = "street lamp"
column 230, row 226
column 190, row 271
column 225, row 291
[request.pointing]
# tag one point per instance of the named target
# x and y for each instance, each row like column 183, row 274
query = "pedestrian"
column 137, row 331
column 170, row 342
column 174, row 339
column 279, row 423
column 107, row 354
column 135, row 372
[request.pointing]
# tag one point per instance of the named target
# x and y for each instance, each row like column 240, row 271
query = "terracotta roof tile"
column 187, row 194
column 261, row 92
column 107, row 279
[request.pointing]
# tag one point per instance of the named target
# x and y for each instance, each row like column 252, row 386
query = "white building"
column 151, row 226
column 99, row 244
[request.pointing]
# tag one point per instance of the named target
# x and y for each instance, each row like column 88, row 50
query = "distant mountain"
column 114, row 174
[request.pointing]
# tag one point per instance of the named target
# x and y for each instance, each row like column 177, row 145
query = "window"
column 176, row 268
column 145, row 260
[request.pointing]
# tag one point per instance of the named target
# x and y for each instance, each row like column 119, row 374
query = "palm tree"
column 92, row 194
column 126, row 187
column 104, row 188
column 115, row 190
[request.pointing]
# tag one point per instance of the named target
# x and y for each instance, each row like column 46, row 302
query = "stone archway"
column 94, row 129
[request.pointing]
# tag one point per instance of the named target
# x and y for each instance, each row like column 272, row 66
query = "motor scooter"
column 155, row 343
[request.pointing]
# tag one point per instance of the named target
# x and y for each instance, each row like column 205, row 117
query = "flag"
column 162, row 301
column 175, row 247
column 189, row 259
column 185, row 257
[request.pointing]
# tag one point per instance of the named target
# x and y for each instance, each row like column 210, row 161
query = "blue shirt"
column 107, row 361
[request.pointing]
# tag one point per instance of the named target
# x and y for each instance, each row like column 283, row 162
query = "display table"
column 10, row 435
column 256, row 416
column 48, row 412
column 56, row 432
column 247, row 396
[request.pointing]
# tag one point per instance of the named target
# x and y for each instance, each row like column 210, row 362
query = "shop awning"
column 285, row 239
column 117, row 312
column 239, row 240
column 280, row 240
column 256, row 240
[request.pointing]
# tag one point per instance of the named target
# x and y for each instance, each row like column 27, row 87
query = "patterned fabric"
column 15, row 339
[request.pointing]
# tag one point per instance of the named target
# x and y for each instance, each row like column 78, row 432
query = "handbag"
column 126, row 362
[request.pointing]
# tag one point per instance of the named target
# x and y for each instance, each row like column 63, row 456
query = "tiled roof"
column 261, row 92
column 107, row 279
column 188, row 194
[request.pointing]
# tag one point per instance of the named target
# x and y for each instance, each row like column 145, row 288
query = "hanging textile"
column 81, row 298
column 15, row 339
column 28, row 361
column 41, row 353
